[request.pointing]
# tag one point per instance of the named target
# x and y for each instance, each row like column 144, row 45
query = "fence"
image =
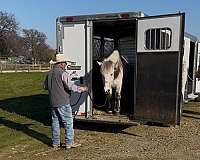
column 5, row 67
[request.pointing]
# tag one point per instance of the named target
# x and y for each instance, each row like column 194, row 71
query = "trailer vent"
column 158, row 39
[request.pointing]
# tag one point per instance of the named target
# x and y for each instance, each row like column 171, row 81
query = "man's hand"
column 84, row 89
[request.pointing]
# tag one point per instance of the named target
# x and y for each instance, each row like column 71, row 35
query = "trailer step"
column 110, row 119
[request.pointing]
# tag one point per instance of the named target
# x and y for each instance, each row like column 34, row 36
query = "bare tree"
column 34, row 42
column 8, row 29
column 17, row 47
column 31, row 45
column 45, row 53
column 8, row 24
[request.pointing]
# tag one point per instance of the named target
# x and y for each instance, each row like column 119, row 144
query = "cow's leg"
column 109, row 98
column 117, row 102
column 118, row 96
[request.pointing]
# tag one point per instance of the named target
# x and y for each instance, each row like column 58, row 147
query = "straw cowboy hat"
column 61, row 58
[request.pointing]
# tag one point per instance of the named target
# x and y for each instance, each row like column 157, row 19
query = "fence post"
column 15, row 67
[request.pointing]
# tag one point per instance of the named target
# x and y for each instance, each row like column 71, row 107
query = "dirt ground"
column 25, row 133
column 139, row 142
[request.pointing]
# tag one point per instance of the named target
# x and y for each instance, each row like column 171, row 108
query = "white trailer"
column 158, row 64
column 190, row 84
column 197, row 82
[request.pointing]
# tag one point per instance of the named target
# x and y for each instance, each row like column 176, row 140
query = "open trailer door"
column 74, row 40
column 197, row 89
column 159, row 65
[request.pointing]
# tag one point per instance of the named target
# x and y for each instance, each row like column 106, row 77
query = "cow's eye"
column 111, row 74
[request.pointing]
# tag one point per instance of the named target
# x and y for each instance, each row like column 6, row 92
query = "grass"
column 20, row 84
column 24, row 114
column 25, row 131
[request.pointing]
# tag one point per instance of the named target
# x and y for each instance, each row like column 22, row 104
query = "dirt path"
column 140, row 142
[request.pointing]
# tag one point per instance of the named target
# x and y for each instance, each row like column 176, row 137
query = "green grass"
column 25, row 127
column 24, row 114
column 20, row 84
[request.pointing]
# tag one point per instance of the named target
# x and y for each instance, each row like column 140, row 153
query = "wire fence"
column 5, row 67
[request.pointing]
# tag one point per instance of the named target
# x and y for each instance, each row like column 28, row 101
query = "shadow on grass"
column 35, row 107
column 25, row 129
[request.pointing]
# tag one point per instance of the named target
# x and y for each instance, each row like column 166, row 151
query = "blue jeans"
column 63, row 113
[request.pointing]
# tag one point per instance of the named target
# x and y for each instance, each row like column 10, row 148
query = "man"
column 58, row 83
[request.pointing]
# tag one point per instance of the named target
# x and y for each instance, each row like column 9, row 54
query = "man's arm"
column 71, row 85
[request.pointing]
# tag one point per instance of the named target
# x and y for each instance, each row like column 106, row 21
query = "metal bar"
column 86, row 52
column 155, row 39
column 150, row 39
column 165, row 38
column 160, row 46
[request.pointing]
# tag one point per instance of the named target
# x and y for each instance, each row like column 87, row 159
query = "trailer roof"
column 192, row 37
column 101, row 16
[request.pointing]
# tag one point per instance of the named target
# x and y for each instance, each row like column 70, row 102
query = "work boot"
column 56, row 147
column 73, row 145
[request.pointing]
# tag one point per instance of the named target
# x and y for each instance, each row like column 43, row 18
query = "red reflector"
column 81, row 114
column 70, row 19
column 124, row 15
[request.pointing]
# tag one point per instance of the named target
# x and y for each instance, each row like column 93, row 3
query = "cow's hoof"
column 109, row 112
column 116, row 113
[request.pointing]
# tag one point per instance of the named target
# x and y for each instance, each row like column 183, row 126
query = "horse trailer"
column 158, row 78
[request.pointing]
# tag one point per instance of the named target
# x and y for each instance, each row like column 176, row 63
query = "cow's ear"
column 99, row 63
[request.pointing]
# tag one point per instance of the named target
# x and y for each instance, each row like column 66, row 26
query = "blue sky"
column 41, row 14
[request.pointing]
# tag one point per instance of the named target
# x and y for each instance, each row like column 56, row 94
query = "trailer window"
column 158, row 39
column 102, row 47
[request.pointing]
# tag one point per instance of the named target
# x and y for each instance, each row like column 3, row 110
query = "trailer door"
column 159, row 66
column 76, row 45
column 197, row 89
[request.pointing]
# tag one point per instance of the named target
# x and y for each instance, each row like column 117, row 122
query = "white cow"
column 112, row 72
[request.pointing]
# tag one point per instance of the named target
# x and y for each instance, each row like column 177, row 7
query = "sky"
column 42, row 14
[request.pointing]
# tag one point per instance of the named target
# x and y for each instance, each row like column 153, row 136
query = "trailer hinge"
column 88, row 26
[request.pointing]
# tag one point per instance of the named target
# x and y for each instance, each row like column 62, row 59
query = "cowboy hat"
column 60, row 58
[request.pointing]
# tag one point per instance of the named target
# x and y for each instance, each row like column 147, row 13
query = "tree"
column 31, row 45
column 8, row 29
column 8, row 24
column 46, row 53
column 17, row 47
column 34, row 43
